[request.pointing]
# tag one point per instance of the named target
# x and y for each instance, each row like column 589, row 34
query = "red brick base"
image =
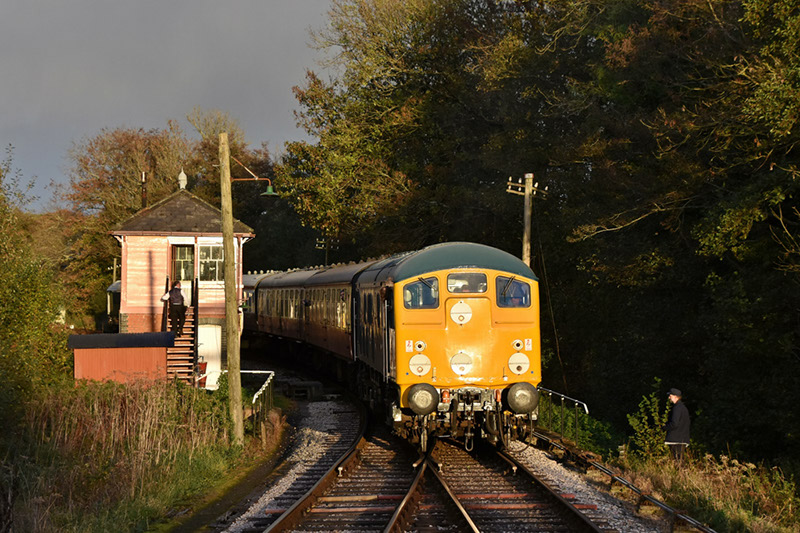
column 139, row 323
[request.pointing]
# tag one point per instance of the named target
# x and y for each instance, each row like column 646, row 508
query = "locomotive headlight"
column 517, row 344
column 423, row 398
column 519, row 363
column 523, row 397
column 461, row 363
column 420, row 364
column 420, row 346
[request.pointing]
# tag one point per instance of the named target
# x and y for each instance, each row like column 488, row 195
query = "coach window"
column 459, row 282
column 422, row 294
column 512, row 293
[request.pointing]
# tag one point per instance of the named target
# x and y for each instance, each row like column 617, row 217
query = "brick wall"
column 139, row 323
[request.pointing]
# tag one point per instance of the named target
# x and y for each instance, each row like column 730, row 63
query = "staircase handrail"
column 196, row 340
column 164, row 308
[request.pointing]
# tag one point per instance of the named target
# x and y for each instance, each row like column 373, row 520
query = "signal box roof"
column 180, row 213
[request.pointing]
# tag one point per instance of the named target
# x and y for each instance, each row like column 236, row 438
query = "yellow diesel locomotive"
column 445, row 339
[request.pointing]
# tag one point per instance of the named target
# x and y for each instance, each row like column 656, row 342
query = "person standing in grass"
column 677, row 426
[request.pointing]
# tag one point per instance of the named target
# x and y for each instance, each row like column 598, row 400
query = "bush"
column 726, row 494
column 648, row 437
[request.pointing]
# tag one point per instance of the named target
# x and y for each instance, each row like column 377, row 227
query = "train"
column 444, row 340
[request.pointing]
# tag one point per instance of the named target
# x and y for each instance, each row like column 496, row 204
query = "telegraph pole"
column 231, row 301
column 526, row 232
column 528, row 189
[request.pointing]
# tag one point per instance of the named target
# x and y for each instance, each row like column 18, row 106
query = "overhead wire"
column 546, row 281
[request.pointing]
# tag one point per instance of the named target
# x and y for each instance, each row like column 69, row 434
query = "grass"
column 726, row 494
column 103, row 456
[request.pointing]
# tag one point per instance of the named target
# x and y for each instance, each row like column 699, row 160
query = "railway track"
column 385, row 486
column 336, row 479
column 330, row 431
column 500, row 494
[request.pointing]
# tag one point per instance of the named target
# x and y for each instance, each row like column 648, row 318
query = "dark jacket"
column 678, row 424
column 175, row 296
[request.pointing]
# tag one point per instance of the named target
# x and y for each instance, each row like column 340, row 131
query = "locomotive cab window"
column 466, row 282
column 512, row 293
column 422, row 294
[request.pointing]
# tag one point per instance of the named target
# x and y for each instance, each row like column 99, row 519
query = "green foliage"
column 593, row 434
column 32, row 342
column 667, row 134
column 648, row 437
column 340, row 184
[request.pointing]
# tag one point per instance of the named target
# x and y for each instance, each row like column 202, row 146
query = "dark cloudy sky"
column 69, row 68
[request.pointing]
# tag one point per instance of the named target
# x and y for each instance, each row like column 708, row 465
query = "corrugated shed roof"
column 181, row 212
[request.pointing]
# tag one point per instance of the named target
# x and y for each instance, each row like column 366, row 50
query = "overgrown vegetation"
column 719, row 490
column 32, row 342
column 722, row 492
column 95, row 456
column 728, row 494
column 91, row 456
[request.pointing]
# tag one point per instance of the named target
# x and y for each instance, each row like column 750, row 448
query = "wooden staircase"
column 180, row 358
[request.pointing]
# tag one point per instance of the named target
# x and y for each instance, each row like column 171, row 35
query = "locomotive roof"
column 450, row 255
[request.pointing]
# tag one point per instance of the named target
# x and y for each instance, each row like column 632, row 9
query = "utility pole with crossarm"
column 528, row 189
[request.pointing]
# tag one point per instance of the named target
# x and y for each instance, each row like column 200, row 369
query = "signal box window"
column 512, row 293
column 466, row 282
column 211, row 263
column 422, row 294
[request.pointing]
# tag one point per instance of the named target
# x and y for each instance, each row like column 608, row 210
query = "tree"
column 32, row 342
column 666, row 133
column 209, row 123
column 338, row 185
column 105, row 189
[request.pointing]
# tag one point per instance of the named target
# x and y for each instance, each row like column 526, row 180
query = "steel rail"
column 400, row 517
column 622, row 481
column 465, row 515
column 576, row 520
column 583, row 521
column 292, row 516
